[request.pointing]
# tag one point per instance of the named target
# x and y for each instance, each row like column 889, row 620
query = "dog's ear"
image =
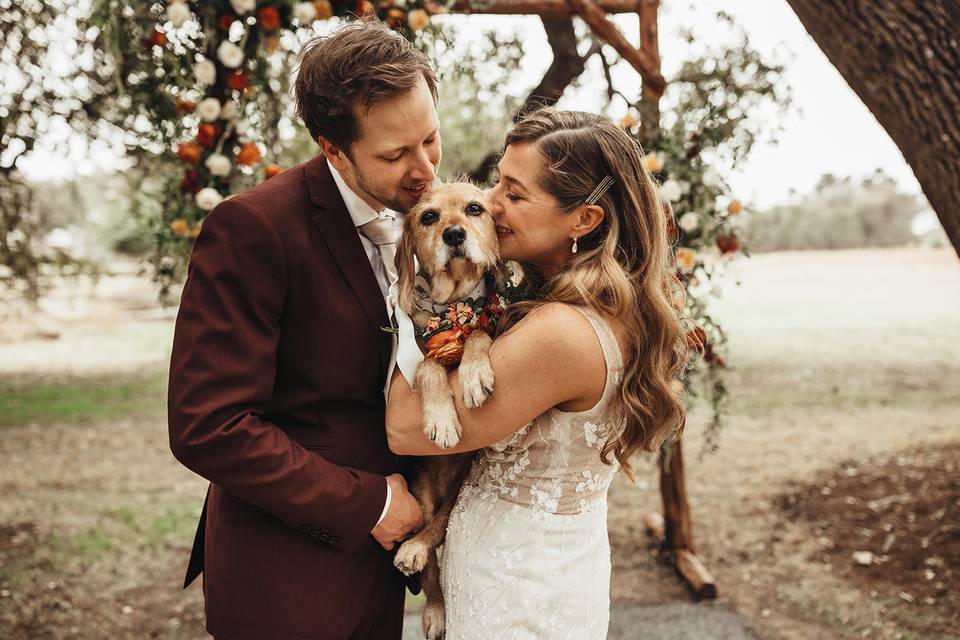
column 406, row 268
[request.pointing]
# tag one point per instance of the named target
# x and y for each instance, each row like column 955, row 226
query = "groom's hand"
column 403, row 516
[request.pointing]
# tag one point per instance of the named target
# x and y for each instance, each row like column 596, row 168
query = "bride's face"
column 530, row 225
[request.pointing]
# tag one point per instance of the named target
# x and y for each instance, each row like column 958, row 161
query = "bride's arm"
column 549, row 358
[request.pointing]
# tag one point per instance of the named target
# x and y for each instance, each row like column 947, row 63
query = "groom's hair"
column 351, row 70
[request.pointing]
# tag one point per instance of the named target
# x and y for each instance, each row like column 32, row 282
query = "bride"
column 584, row 375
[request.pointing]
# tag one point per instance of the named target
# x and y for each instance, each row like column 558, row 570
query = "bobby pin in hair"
column 601, row 189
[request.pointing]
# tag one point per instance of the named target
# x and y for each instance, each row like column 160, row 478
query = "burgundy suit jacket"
column 276, row 396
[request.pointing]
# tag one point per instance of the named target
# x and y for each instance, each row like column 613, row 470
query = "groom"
column 281, row 353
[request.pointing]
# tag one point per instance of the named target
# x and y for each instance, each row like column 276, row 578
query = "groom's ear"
column 336, row 155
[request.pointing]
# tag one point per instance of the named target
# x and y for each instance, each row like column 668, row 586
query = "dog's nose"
column 454, row 236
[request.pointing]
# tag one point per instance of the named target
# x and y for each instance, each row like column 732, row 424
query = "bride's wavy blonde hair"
column 623, row 268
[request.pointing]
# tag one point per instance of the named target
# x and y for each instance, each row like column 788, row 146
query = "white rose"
column 166, row 262
column 229, row 110
column 684, row 187
column 178, row 13
column 241, row 7
column 209, row 109
column 230, row 54
column 670, row 190
column 208, row 198
column 689, row 221
column 711, row 178
column 205, row 72
column 241, row 128
column 219, row 165
column 305, row 12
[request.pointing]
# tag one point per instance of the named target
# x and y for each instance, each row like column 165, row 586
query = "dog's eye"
column 474, row 209
column 429, row 217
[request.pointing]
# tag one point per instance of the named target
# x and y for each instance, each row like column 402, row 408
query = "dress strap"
column 608, row 340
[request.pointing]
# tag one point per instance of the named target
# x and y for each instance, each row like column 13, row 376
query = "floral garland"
column 445, row 333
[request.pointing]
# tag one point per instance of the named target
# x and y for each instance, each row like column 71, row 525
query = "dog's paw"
column 411, row 557
column 441, row 426
column 476, row 382
column 433, row 622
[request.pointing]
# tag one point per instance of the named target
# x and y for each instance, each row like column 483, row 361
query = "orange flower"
column 238, row 80
column 418, row 19
column 446, row 347
column 628, row 121
column 271, row 170
column 269, row 19
column 735, row 207
column 324, row 9
column 271, row 44
column 249, row 154
column 180, row 227
column 207, row 134
column 728, row 243
column 189, row 152
column 196, row 230
column 686, row 259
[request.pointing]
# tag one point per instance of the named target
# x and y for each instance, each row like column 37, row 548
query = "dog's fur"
column 453, row 264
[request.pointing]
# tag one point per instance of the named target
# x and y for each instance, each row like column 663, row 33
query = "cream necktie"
column 381, row 233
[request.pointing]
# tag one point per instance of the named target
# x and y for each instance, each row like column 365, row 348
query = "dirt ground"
column 842, row 429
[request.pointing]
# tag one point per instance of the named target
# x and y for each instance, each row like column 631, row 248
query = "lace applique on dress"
column 527, row 554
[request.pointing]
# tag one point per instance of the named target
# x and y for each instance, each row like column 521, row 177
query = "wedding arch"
column 199, row 85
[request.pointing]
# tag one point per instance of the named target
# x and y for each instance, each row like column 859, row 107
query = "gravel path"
column 674, row 621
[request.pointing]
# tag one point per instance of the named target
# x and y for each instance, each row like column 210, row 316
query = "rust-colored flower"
column 271, row 44
column 191, row 181
column 728, row 242
column 180, row 227
column 735, row 207
column 157, row 38
column 189, row 152
column 396, row 19
column 364, row 7
column 207, row 134
column 238, row 80
column 225, row 20
column 271, row 170
column 324, row 9
column 185, row 106
column 268, row 18
column 249, row 154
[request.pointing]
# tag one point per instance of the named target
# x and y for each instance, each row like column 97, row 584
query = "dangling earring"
column 574, row 248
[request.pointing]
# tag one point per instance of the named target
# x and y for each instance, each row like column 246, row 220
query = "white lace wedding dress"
column 526, row 553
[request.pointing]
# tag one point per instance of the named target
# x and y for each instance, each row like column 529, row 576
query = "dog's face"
column 452, row 234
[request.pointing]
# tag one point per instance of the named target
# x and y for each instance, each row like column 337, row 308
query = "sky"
column 828, row 129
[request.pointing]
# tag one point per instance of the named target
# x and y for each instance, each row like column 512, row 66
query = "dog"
column 450, row 280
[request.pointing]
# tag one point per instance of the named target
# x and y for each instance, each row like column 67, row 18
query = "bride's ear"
column 589, row 217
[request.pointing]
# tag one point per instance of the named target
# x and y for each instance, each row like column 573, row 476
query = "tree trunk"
column 566, row 66
column 902, row 57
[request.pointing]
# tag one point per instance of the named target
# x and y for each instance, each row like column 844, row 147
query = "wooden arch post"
column 674, row 528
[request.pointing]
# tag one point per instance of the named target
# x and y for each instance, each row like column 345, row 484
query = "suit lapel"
column 336, row 228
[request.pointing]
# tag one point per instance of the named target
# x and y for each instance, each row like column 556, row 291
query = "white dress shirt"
column 362, row 213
